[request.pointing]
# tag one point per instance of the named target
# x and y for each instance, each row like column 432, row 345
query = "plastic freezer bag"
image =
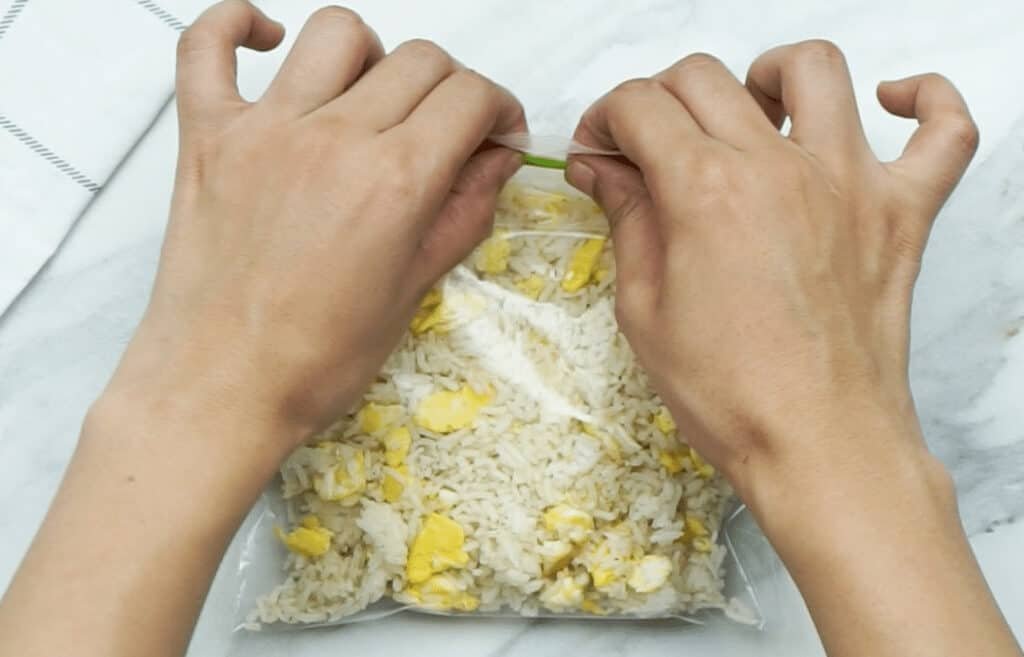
column 510, row 458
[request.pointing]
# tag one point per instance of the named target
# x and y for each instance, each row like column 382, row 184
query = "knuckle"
column 936, row 85
column 623, row 100
column 934, row 80
column 492, row 96
column 821, row 50
column 334, row 13
column 476, row 83
column 698, row 60
column 194, row 39
column 424, row 49
column 635, row 86
column 965, row 133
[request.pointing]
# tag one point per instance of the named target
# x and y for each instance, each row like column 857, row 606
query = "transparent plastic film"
column 546, row 151
column 510, row 459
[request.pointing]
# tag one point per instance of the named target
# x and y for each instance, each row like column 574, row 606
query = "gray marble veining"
column 63, row 337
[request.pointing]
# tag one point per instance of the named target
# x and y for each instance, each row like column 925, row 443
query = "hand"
column 765, row 280
column 303, row 230
column 306, row 226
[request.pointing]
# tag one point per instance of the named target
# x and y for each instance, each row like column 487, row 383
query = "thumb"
column 467, row 214
column 619, row 189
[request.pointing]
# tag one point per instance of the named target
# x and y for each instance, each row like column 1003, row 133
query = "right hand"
column 764, row 280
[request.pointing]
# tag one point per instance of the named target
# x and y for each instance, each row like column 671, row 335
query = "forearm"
column 127, row 551
column 875, row 544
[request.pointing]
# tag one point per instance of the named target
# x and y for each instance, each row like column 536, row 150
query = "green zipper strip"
column 543, row 162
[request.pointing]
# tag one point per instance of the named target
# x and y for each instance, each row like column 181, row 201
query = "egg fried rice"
column 510, row 455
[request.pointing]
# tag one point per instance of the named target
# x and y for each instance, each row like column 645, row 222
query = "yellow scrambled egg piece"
column 694, row 526
column 442, row 593
column 439, row 314
column 608, row 561
column 701, row 467
column 430, row 314
column 591, row 606
column 568, row 522
column 374, row 417
column 664, row 422
column 446, row 410
column 696, row 534
column 672, row 461
column 531, row 286
column 436, row 548
column 602, row 577
column 393, row 484
column 650, row 573
column 582, row 264
column 492, row 255
column 564, row 593
column 555, row 555
column 309, row 539
column 344, row 481
column 396, row 446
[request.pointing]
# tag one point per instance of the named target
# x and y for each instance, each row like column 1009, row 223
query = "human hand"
column 305, row 226
column 765, row 280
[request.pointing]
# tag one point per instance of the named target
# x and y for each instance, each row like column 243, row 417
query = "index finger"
column 643, row 120
column 458, row 115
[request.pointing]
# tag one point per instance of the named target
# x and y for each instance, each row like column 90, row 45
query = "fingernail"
column 580, row 176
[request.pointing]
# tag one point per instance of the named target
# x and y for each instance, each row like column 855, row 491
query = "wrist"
column 195, row 425
column 844, row 483
column 237, row 398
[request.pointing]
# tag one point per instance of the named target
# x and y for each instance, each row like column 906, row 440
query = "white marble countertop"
column 60, row 341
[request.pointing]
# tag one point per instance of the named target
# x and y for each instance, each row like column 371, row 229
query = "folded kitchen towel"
column 80, row 82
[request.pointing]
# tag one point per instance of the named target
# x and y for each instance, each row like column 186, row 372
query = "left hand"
column 306, row 226
column 303, row 231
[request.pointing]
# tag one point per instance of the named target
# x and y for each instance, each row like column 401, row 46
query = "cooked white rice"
column 569, row 420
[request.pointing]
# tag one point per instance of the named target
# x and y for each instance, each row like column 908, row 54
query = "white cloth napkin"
column 80, row 82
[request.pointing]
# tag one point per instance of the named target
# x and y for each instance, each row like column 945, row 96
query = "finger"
column 450, row 124
column 467, row 214
column 619, row 190
column 947, row 137
column 206, row 74
column 644, row 121
column 334, row 47
column 388, row 93
column 771, row 107
column 717, row 101
column 811, row 83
